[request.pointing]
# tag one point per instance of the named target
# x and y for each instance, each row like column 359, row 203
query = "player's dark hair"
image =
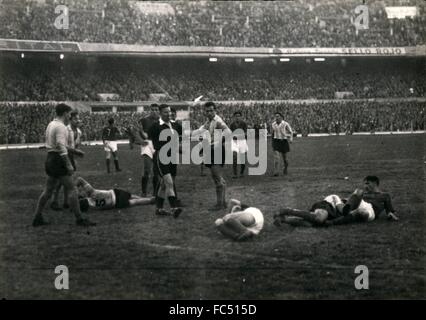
column 84, row 205
column 73, row 114
column 277, row 112
column 162, row 106
column 173, row 110
column 237, row 113
column 154, row 105
column 210, row 104
column 111, row 120
column 373, row 179
column 62, row 108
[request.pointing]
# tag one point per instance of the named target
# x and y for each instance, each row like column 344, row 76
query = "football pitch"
column 134, row 254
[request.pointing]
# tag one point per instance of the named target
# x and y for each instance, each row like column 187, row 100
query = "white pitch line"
column 248, row 255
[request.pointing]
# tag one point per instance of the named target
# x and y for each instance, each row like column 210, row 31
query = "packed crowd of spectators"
column 185, row 79
column 26, row 123
column 299, row 23
column 329, row 117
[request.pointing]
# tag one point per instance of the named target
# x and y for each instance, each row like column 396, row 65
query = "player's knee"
column 321, row 215
column 358, row 192
column 218, row 222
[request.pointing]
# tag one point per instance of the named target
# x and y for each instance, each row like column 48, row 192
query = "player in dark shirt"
column 165, row 168
column 239, row 144
column 147, row 149
column 177, row 124
column 110, row 135
column 380, row 202
column 362, row 206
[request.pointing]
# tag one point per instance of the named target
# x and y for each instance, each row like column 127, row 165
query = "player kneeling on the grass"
column 243, row 222
column 58, row 167
column 107, row 199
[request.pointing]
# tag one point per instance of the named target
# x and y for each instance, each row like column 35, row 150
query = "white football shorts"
column 111, row 146
column 148, row 149
column 239, row 146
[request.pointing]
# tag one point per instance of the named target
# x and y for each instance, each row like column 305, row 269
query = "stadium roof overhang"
column 13, row 45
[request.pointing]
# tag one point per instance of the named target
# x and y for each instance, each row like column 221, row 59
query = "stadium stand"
column 80, row 79
column 300, row 23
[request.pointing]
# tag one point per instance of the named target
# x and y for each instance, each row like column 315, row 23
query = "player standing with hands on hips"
column 281, row 133
column 217, row 147
column 109, row 138
column 59, row 168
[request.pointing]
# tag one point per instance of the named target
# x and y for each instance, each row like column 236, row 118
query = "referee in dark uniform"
column 58, row 167
column 165, row 170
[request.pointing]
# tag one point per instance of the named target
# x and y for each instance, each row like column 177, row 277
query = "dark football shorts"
column 218, row 162
column 122, row 198
column 71, row 157
column 55, row 166
column 325, row 206
column 280, row 145
column 163, row 169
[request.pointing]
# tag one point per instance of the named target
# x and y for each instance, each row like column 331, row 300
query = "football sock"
column 159, row 202
column 117, row 167
column 144, row 184
column 108, row 165
column 172, row 201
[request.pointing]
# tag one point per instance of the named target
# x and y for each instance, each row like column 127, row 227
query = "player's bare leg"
column 225, row 230
column 73, row 201
column 108, row 161
column 135, row 200
column 235, row 225
column 220, row 184
column 202, row 170
column 243, row 164
column 234, row 165
column 54, row 205
column 293, row 221
column 309, row 216
column 285, row 161
column 353, row 202
column 146, row 174
column 51, row 184
column 277, row 163
column 117, row 167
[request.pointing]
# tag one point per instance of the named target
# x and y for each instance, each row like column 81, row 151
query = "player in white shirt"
column 214, row 159
column 242, row 223
column 282, row 134
column 74, row 141
column 107, row 199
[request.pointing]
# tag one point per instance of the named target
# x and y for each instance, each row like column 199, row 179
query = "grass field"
column 134, row 254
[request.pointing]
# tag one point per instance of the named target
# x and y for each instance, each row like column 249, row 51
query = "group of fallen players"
column 241, row 222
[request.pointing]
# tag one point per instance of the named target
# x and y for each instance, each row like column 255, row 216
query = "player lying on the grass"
column 107, row 199
column 362, row 206
column 243, row 221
